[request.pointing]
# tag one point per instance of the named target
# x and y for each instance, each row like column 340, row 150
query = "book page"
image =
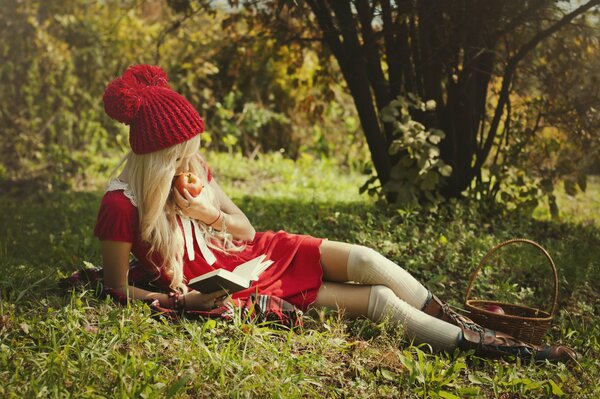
column 261, row 268
column 246, row 269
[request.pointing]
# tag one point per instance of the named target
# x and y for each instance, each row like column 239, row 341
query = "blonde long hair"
column 150, row 177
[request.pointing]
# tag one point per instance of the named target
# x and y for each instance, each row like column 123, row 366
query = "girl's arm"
column 115, row 257
column 238, row 224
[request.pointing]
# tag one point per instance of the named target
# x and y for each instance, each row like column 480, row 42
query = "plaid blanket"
column 256, row 308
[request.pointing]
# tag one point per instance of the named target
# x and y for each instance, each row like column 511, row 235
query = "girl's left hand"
column 195, row 300
column 195, row 207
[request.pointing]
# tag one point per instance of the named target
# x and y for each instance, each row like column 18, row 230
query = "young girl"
column 178, row 237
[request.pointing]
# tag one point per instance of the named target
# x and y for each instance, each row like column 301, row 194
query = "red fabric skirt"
column 296, row 274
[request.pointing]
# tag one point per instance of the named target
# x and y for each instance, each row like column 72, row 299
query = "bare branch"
column 174, row 26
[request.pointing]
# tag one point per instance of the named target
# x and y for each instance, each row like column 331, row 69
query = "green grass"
column 582, row 208
column 57, row 346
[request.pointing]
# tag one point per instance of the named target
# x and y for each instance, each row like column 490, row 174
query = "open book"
column 240, row 278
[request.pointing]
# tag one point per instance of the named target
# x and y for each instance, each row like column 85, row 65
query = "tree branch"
column 174, row 26
column 391, row 50
column 349, row 55
column 521, row 18
column 372, row 54
column 330, row 33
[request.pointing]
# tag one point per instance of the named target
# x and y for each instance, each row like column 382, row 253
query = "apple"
column 494, row 309
column 189, row 181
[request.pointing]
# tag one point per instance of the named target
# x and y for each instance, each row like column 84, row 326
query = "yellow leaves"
column 590, row 50
column 542, row 61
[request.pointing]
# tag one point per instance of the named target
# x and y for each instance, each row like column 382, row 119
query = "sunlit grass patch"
column 582, row 208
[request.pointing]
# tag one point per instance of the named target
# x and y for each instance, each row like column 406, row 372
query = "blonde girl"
column 177, row 237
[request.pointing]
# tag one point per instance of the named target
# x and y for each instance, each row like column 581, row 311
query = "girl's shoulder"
column 119, row 194
column 117, row 200
column 117, row 217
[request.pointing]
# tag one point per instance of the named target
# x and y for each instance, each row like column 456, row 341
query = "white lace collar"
column 116, row 184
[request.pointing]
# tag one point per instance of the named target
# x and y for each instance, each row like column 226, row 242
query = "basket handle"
column 516, row 240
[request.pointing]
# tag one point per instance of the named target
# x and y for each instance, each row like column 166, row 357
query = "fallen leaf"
column 24, row 327
column 90, row 328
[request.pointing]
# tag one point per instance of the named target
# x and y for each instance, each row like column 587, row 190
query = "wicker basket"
column 522, row 322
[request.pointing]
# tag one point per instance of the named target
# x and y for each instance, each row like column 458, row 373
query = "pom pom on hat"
column 158, row 116
column 122, row 100
column 148, row 75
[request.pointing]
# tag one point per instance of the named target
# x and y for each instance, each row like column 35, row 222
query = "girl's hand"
column 195, row 207
column 195, row 300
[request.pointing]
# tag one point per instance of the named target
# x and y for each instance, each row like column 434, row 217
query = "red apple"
column 494, row 309
column 189, row 181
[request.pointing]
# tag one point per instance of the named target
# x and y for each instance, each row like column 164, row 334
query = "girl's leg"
column 342, row 262
column 334, row 260
column 352, row 298
column 347, row 262
column 378, row 302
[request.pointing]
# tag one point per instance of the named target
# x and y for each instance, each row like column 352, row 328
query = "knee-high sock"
column 383, row 302
column 368, row 266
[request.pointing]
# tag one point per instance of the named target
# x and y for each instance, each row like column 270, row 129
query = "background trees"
column 464, row 55
column 512, row 86
column 256, row 92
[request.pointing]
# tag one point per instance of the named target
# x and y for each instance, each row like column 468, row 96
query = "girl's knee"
column 364, row 256
column 379, row 299
column 379, row 292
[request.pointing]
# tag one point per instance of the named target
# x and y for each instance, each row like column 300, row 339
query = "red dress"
column 294, row 276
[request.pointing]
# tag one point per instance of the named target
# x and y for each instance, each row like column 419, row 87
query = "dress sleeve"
column 117, row 218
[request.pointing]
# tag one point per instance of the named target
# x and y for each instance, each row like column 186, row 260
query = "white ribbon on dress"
column 189, row 224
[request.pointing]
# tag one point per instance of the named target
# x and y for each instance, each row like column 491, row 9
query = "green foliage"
column 531, row 162
column 75, row 345
column 419, row 172
column 241, row 131
column 256, row 93
column 581, row 208
column 56, row 58
column 266, row 91
column 564, row 75
column 548, row 139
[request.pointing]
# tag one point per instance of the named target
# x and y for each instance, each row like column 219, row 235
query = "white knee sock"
column 418, row 325
column 368, row 266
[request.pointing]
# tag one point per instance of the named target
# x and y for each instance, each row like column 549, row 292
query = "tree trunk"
column 441, row 50
column 352, row 61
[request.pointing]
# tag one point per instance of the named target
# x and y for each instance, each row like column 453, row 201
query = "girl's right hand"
column 195, row 300
column 195, row 207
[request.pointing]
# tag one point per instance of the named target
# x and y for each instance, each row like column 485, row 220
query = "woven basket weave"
column 522, row 322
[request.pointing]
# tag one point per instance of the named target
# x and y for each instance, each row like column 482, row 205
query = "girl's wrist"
column 189, row 302
column 216, row 219
column 176, row 301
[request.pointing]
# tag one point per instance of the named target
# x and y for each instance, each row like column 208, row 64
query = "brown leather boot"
column 494, row 344
column 490, row 343
column 435, row 307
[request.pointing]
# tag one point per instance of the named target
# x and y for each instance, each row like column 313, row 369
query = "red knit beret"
column 158, row 117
